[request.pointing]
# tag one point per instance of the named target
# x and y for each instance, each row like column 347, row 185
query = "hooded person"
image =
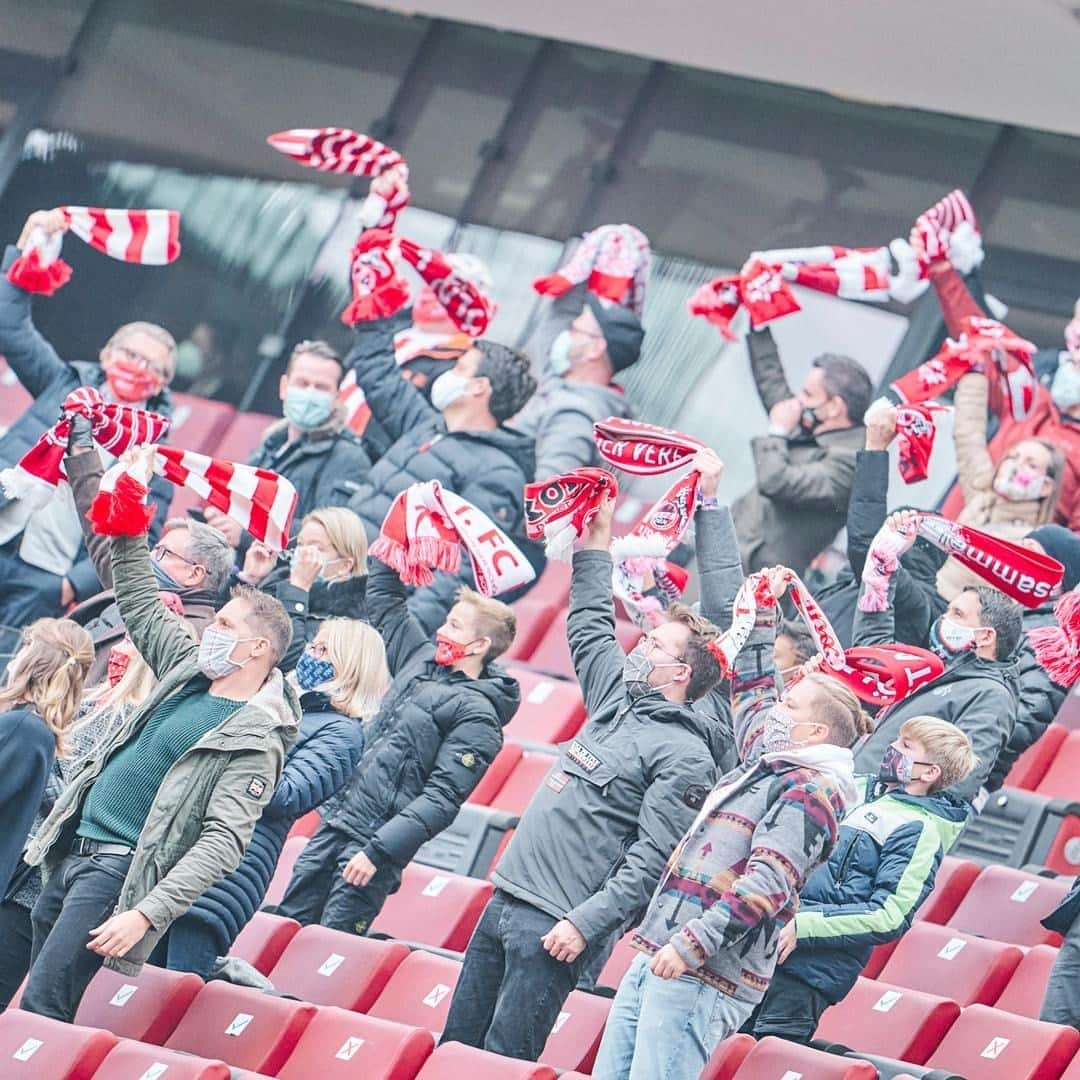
column 577, row 390
column 437, row 730
column 43, row 561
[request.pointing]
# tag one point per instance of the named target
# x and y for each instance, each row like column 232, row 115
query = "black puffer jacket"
column 488, row 468
column 317, row 766
column 431, row 742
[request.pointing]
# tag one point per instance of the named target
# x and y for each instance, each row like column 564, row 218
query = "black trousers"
column 790, row 1009
column 16, row 939
column 80, row 896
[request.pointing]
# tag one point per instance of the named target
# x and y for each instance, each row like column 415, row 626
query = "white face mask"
column 955, row 637
column 1065, row 389
column 1019, row 483
column 559, row 354
column 447, row 388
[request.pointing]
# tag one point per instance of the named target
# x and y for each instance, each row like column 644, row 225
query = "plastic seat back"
column 954, row 878
column 290, row 852
column 552, row 653
column 456, row 1062
column 579, row 1027
column 551, row 710
column 329, row 967
column 783, row 1060
column 343, row 1045
column 892, row 1021
column 1024, row 992
column 419, row 991
column 497, row 772
column 533, row 614
column 34, row 1047
column 244, row 1027
column 14, row 399
column 1059, row 779
column 434, row 907
column 523, row 782
column 130, row 1060
column 618, row 963
column 1007, row 904
column 1031, row 766
column 264, row 939
column 199, row 423
column 146, row 1007
column 932, row 958
column 989, row 1044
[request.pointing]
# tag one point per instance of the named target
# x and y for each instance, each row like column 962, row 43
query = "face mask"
column 164, row 579
column 447, row 388
column 307, row 407
column 328, row 579
column 215, row 653
column 1065, row 389
column 130, row 383
column 949, row 639
column 118, row 665
column 896, row 767
column 777, row 735
column 559, row 354
column 1019, row 482
column 808, row 420
column 312, row 672
column 638, row 666
column 449, row 652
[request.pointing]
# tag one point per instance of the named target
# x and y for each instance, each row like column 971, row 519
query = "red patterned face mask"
column 118, row 665
column 131, row 383
column 449, row 652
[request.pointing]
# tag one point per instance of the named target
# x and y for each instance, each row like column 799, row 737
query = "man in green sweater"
column 169, row 806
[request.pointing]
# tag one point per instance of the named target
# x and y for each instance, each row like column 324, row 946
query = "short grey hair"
column 208, row 548
column 847, row 379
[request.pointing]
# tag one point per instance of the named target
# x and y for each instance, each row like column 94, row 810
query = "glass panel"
column 40, row 27
column 568, row 124
column 204, row 83
column 464, row 92
column 717, row 167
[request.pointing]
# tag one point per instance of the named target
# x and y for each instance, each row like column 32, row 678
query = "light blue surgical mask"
column 559, row 354
column 307, row 407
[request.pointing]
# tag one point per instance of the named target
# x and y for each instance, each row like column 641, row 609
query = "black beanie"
column 621, row 329
column 1064, row 545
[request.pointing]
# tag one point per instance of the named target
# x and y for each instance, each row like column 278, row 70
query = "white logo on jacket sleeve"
column 256, row 786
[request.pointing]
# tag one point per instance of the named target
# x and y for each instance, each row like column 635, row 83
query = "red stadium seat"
column 263, row 940
column 343, row 1045
column 891, row 1021
column 552, row 654
column 199, row 423
column 130, row 1060
column 36, row 1048
column 879, row 957
column 1059, row 780
column 989, row 1044
column 146, row 1007
column 419, row 991
column 1024, row 992
column 1032, row 765
column 777, row 1058
column 534, row 613
column 328, row 967
column 290, row 852
column 434, row 907
column 954, row 878
column 578, row 1029
column 454, row 1062
column 522, row 784
column 554, row 583
column 618, row 963
column 14, row 400
column 306, row 825
column 504, row 843
column 244, row 433
column 932, row 958
column 244, row 1027
column 1007, row 905
column 504, row 764
column 551, row 710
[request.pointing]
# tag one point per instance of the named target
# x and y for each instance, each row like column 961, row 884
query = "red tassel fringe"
column 381, row 304
column 29, row 275
column 1057, row 648
column 607, row 286
column 123, row 511
column 552, row 285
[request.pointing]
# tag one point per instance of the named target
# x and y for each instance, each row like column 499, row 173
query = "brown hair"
column 838, row 707
column 48, row 672
column 494, row 620
column 705, row 670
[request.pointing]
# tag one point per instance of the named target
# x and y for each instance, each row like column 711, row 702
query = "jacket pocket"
column 578, row 759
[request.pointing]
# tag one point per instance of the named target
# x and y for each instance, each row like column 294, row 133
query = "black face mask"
column 808, row 421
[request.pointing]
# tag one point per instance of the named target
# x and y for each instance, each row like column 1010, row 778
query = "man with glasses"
column 577, row 389
column 43, row 561
column 592, row 844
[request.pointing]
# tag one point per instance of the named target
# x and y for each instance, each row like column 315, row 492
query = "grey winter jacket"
column 804, row 482
column 435, row 734
column 560, row 418
column 49, row 379
column 488, row 468
column 979, row 696
column 591, row 844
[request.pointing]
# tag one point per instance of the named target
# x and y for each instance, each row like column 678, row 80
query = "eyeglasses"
column 652, row 643
column 140, row 361
column 159, row 552
column 316, row 649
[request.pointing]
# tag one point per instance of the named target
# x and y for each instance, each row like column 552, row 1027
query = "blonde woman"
column 341, row 677
column 325, row 575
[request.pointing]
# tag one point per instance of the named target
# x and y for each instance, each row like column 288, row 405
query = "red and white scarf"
column 559, row 510
column 377, row 291
column 916, row 431
column 643, row 449
column 613, row 259
column 985, row 345
column 1057, row 648
column 758, row 287
column 341, row 150
column 469, row 310
column 114, row 428
column 879, row 675
column 1029, row 577
column 148, row 237
column 259, row 500
column 425, row 529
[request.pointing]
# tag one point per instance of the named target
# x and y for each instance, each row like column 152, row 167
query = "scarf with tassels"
column 1057, row 648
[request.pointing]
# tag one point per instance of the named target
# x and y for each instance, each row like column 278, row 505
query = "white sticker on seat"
column 436, row 994
column 540, row 692
column 563, row 1017
column 1024, row 891
column 331, row 964
column 155, row 1072
column 123, row 995
column 887, row 1000
column 994, row 1048
column 791, row 1074
column 28, row 1050
column 435, row 885
column 239, row 1024
column 952, row 948
column 349, row 1048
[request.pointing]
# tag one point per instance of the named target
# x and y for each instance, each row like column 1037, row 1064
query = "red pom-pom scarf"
column 1057, row 648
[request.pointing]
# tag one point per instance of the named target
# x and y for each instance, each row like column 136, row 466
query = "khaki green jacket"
column 211, row 798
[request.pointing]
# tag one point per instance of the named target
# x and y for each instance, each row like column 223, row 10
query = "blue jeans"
column 188, row 945
column 664, row 1029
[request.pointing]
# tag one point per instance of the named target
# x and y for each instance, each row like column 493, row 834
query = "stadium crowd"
column 765, row 783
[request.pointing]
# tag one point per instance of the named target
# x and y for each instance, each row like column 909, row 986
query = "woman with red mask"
column 43, row 561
